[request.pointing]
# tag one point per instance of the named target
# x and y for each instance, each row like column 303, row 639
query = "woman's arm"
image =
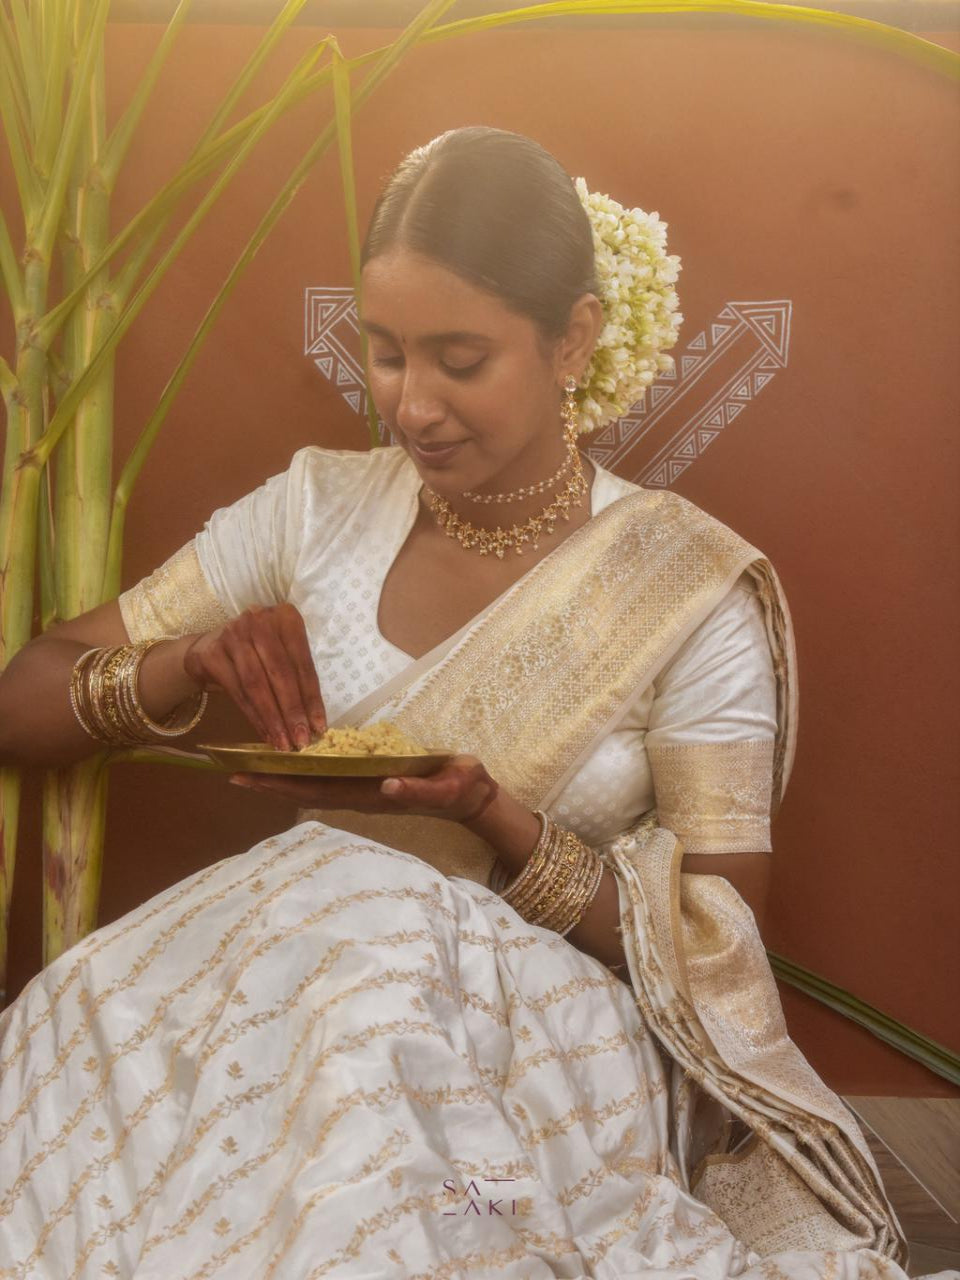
column 261, row 659
column 749, row 873
column 37, row 723
column 514, row 831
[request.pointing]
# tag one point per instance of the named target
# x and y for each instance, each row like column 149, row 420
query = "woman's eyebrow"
column 447, row 335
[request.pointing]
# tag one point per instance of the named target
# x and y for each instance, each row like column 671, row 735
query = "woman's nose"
column 418, row 406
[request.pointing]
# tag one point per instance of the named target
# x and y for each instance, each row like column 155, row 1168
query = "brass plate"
column 258, row 757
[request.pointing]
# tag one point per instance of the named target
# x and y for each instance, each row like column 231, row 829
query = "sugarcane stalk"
column 19, row 500
column 144, row 229
column 74, row 826
column 74, row 798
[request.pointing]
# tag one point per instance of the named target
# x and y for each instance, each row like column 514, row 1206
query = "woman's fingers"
column 208, row 662
column 262, row 660
column 281, row 674
column 293, row 633
column 457, row 789
column 257, row 690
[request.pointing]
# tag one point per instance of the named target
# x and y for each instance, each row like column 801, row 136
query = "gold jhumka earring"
column 500, row 540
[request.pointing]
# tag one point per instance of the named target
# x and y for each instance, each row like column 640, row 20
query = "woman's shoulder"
column 661, row 504
column 316, row 462
column 332, row 477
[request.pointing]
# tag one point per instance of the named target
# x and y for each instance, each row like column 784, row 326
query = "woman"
column 391, row 1040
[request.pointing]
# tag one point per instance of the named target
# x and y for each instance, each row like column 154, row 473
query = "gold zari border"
column 715, row 796
column 175, row 600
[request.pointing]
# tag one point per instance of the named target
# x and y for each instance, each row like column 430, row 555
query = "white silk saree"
column 342, row 1054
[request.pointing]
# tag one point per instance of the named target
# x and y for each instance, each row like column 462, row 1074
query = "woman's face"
column 467, row 386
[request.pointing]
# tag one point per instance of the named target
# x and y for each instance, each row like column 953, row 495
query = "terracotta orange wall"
column 792, row 167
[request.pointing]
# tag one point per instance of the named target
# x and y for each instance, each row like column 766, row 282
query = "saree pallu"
column 323, row 1057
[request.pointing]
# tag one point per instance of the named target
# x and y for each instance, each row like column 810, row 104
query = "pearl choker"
column 532, row 489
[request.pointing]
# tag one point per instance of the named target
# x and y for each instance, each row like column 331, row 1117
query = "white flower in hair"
column 636, row 277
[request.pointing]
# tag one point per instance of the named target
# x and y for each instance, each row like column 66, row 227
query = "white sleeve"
column 712, row 728
column 246, row 554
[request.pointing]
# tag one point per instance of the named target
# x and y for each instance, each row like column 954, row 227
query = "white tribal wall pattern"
column 716, row 376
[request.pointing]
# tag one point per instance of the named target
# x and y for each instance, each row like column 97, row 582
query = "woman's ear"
column 575, row 348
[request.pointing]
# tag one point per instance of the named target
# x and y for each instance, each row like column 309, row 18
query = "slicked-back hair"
column 498, row 210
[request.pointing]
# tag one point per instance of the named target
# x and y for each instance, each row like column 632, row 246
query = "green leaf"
column 149, row 223
column 31, row 61
column 936, row 1057
column 342, row 103
column 284, row 18
column 138, row 456
column 12, row 67
column 126, row 126
column 341, row 98
column 932, row 56
column 56, row 61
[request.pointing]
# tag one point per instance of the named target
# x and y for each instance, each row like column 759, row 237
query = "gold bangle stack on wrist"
column 105, row 696
column 559, row 881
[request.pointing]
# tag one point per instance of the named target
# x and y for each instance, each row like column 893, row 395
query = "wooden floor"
column 916, row 1142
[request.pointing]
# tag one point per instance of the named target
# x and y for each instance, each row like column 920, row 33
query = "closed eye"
column 462, row 370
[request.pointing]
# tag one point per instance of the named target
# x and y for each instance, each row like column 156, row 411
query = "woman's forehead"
column 413, row 297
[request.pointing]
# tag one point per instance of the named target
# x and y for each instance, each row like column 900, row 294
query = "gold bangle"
column 559, row 881
column 582, row 892
column 115, row 672
column 526, row 895
column 126, row 662
column 178, row 721
column 592, row 874
column 560, row 876
column 523, row 888
column 104, row 696
column 78, row 694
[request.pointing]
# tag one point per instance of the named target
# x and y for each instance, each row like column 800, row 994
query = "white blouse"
column 697, row 743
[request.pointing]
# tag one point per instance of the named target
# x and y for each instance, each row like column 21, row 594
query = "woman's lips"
column 433, row 456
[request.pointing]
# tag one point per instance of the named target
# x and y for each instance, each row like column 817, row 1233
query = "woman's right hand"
column 262, row 661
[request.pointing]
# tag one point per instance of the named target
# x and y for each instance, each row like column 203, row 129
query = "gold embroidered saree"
column 341, row 1053
column 531, row 690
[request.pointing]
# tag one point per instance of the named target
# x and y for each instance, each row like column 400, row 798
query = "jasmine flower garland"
column 636, row 278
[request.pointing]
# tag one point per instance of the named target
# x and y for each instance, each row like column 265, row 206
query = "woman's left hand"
column 460, row 791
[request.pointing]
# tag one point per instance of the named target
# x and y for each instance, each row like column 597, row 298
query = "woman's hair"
column 499, row 211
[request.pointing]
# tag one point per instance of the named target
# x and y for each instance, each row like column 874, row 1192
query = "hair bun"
column 636, row 277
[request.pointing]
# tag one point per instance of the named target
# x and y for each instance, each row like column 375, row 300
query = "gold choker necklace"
column 500, row 540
